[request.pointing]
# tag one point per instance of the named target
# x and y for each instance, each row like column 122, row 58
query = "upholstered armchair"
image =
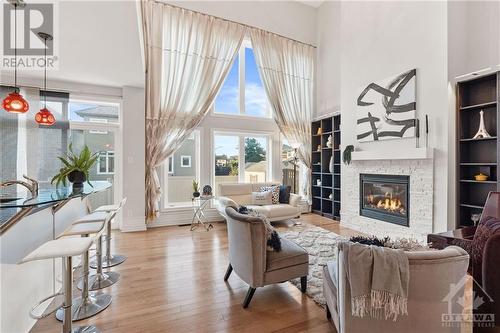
column 253, row 263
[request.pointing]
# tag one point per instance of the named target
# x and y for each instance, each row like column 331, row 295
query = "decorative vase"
column 330, row 165
column 196, row 194
column 77, row 177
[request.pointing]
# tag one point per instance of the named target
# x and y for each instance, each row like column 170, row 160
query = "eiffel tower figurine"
column 481, row 133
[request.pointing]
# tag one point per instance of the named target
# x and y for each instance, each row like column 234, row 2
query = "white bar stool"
column 109, row 259
column 66, row 249
column 88, row 304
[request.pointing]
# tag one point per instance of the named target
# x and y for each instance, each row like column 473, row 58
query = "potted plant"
column 75, row 167
column 196, row 188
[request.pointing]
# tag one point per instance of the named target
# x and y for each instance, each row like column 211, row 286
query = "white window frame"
column 165, row 205
column 107, row 155
column 182, row 161
column 241, row 152
column 241, row 88
column 171, row 158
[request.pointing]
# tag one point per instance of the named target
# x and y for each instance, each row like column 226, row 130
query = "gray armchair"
column 251, row 261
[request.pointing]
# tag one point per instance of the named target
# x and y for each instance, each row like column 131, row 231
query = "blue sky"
column 255, row 97
column 228, row 144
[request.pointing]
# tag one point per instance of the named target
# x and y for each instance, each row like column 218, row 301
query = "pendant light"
column 15, row 102
column 44, row 116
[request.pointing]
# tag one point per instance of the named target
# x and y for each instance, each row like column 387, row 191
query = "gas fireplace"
column 385, row 197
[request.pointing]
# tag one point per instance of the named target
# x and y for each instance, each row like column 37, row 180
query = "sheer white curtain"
column 188, row 55
column 287, row 71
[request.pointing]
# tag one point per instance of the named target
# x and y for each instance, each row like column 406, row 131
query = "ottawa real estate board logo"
column 21, row 44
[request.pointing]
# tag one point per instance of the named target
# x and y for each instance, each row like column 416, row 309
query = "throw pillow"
column 285, row 194
column 273, row 238
column 275, row 190
column 262, row 198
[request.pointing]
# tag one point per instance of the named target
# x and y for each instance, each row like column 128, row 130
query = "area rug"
column 321, row 245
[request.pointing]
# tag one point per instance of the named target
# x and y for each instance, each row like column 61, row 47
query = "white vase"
column 330, row 166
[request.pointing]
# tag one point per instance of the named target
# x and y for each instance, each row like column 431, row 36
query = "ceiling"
column 99, row 44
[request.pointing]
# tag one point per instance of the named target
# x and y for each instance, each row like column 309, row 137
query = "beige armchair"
column 251, row 261
column 437, row 280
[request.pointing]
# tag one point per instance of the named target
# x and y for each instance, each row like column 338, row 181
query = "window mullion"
column 241, row 70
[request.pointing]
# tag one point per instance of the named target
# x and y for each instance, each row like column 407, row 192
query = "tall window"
column 240, row 158
column 179, row 171
column 243, row 92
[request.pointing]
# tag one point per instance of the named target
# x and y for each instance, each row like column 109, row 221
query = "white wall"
column 287, row 18
column 378, row 40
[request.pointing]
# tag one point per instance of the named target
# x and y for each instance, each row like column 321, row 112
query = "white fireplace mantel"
column 389, row 154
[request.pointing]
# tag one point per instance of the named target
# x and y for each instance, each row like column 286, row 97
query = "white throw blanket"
column 379, row 279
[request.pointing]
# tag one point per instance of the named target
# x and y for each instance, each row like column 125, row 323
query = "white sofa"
column 241, row 193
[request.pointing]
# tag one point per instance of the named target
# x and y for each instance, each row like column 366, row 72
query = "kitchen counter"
column 13, row 203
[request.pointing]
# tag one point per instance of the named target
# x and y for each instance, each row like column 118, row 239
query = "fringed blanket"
column 379, row 279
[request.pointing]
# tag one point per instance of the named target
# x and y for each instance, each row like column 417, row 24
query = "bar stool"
column 65, row 249
column 109, row 260
column 87, row 305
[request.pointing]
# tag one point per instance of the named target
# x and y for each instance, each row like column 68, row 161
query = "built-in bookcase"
column 326, row 196
column 481, row 155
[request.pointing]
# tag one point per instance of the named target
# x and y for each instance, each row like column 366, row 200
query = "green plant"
column 346, row 157
column 196, row 185
column 75, row 162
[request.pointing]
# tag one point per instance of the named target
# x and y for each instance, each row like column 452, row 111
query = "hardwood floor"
column 173, row 281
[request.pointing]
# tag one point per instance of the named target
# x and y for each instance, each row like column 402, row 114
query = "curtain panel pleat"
column 188, row 56
column 286, row 68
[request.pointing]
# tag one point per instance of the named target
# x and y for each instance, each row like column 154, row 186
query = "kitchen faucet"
column 31, row 185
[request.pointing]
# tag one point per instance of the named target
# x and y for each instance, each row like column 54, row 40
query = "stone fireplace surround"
column 421, row 197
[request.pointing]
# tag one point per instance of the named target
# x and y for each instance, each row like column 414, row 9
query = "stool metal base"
column 99, row 281
column 85, row 329
column 82, row 310
column 114, row 260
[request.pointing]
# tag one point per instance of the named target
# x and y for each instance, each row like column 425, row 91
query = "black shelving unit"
column 326, row 196
column 476, row 156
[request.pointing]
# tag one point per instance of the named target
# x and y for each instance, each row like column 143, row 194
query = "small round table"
column 199, row 218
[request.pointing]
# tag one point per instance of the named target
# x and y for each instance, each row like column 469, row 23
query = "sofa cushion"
column 282, row 210
column 285, row 194
column 262, row 198
column 291, row 254
column 275, row 190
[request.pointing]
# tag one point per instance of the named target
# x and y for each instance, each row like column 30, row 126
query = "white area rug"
column 321, row 246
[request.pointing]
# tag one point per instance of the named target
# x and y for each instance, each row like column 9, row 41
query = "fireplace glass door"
column 385, row 197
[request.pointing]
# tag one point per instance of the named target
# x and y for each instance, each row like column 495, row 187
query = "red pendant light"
column 44, row 116
column 15, row 102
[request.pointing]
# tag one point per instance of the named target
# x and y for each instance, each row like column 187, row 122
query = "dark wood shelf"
column 480, row 155
column 478, row 106
column 472, row 181
column 321, row 203
column 481, row 139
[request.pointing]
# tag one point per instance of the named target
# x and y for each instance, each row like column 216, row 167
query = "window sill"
column 241, row 116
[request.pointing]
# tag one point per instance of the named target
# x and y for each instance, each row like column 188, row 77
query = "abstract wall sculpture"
column 386, row 109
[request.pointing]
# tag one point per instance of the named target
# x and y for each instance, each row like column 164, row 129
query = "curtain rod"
column 227, row 20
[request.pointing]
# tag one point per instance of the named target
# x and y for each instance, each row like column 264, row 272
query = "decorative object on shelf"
column 330, row 196
column 346, row 156
column 329, row 142
column 393, row 115
column 44, row 116
column 475, row 218
column 481, row 132
column 320, row 131
column 207, row 191
column 15, row 102
column 481, row 177
column 196, row 188
column 318, row 182
column 330, row 165
column 319, row 148
column 75, row 167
